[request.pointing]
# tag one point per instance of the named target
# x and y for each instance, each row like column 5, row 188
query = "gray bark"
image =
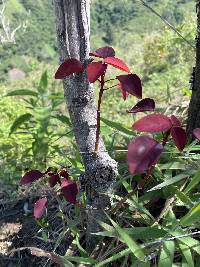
column 73, row 23
column 194, row 107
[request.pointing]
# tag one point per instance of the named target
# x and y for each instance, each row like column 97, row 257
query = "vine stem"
column 102, row 82
column 111, row 87
column 142, row 182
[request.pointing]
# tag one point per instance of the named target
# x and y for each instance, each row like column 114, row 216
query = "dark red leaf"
column 117, row 63
column 63, row 173
column 196, row 133
column 54, row 179
column 143, row 152
column 131, row 83
column 39, row 207
column 153, row 123
column 103, row 52
column 50, row 173
column 175, row 121
column 30, row 177
column 146, row 104
column 95, row 70
column 70, row 190
column 179, row 136
column 69, row 67
column 124, row 93
column 49, row 170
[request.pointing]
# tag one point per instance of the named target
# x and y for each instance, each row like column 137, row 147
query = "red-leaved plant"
column 128, row 83
column 143, row 151
column 69, row 189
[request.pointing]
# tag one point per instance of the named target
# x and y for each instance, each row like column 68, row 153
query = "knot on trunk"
column 101, row 173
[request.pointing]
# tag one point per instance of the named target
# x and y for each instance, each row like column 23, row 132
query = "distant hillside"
column 37, row 39
column 112, row 17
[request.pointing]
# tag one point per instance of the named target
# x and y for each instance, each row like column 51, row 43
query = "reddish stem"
column 102, row 82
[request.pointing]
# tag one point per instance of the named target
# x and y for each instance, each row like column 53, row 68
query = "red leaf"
column 95, row 70
column 146, row 104
column 143, row 152
column 39, row 207
column 196, row 133
column 70, row 190
column 179, row 136
column 175, row 121
column 103, row 52
column 153, row 123
column 30, row 177
column 49, row 170
column 54, row 179
column 124, row 93
column 131, row 83
column 69, row 67
column 64, row 173
column 117, row 63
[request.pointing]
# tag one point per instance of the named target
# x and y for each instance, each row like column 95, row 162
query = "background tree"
column 194, row 107
column 73, row 28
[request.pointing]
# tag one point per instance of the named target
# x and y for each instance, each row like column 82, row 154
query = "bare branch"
column 7, row 35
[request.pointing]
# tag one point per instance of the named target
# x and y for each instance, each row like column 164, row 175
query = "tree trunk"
column 73, row 24
column 194, row 107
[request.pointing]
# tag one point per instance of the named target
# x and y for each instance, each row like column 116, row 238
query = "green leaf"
column 194, row 181
column 43, row 82
column 187, row 92
column 167, row 254
column 190, row 242
column 136, row 263
column 172, row 166
column 114, row 257
column 63, row 119
column 171, row 181
column 108, row 229
column 67, row 263
column 80, row 260
column 133, row 246
column 184, row 198
column 19, row 121
column 191, row 217
column 137, row 232
column 42, row 113
column 133, row 201
column 118, row 126
column 186, row 254
column 22, row 92
column 56, row 96
column 82, row 251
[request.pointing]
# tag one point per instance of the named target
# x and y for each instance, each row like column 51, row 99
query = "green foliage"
column 152, row 225
column 30, row 124
column 37, row 23
column 38, row 124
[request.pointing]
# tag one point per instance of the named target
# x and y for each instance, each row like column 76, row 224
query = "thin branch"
column 7, row 35
column 111, row 87
column 113, row 79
